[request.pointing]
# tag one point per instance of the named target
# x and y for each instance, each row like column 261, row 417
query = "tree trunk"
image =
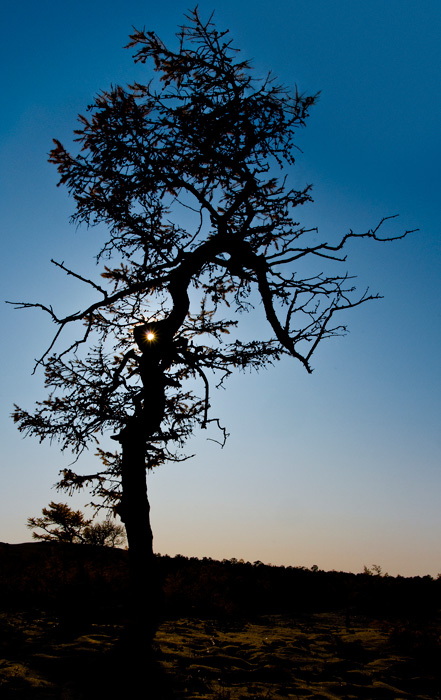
column 157, row 355
column 135, row 513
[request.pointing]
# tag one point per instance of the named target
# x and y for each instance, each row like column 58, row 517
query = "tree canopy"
column 187, row 173
column 60, row 523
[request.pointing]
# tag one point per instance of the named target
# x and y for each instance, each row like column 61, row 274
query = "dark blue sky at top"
column 345, row 462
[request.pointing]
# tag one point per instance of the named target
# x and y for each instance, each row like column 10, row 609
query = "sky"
column 341, row 468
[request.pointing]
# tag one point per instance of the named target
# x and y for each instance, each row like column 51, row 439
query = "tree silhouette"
column 60, row 524
column 106, row 533
column 188, row 174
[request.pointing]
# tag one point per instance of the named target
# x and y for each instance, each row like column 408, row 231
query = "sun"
column 150, row 335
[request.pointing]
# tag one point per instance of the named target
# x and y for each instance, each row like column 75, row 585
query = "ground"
column 321, row 656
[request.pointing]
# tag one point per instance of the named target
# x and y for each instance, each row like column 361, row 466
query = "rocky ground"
column 322, row 655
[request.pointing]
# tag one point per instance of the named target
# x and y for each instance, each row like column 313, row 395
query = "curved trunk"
column 157, row 356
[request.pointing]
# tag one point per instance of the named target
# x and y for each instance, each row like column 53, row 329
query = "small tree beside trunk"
column 60, row 523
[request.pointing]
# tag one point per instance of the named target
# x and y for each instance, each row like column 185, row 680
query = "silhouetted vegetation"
column 104, row 533
column 229, row 629
column 207, row 138
column 53, row 573
column 60, row 523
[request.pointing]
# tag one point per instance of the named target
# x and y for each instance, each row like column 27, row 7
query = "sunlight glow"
column 150, row 336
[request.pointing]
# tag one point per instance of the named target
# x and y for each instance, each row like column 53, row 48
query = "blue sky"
column 338, row 469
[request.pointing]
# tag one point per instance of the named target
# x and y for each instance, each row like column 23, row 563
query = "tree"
column 188, row 174
column 106, row 533
column 62, row 524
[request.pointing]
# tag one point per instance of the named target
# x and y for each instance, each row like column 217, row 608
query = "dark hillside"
column 97, row 577
column 46, row 574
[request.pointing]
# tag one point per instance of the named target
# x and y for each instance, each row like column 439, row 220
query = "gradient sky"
column 339, row 469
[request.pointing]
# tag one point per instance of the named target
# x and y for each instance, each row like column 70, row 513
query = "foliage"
column 62, row 524
column 106, row 533
column 32, row 572
column 374, row 570
column 188, row 173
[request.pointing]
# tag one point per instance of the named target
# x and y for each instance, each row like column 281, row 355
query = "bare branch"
column 223, row 431
column 80, row 277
